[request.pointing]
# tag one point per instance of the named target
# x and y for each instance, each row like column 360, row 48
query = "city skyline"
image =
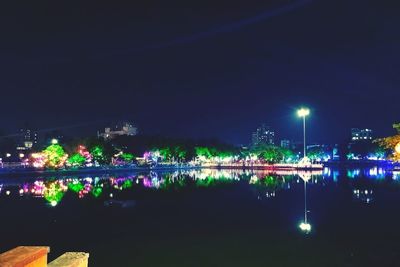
column 30, row 137
column 261, row 132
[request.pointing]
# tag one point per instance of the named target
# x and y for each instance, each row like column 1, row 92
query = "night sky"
column 202, row 68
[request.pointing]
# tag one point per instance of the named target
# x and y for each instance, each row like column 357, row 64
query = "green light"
column 203, row 152
column 98, row 154
column 53, row 193
column 75, row 186
column 126, row 157
column 165, row 153
column 76, row 160
column 97, row 191
column 127, row 184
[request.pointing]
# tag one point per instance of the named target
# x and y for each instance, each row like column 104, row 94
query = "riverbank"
column 114, row 170
column 134, row 168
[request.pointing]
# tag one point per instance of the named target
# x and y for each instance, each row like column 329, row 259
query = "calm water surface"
column 209, row 217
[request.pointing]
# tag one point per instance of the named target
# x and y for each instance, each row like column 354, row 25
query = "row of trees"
column 270, row 153
column 56, row 156
column 123, row 150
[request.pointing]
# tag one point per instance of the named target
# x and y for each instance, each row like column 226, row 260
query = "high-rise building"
column 263, row 136
column 119, row 129
column 361, row 134
column 27, row 139
column 285, row 143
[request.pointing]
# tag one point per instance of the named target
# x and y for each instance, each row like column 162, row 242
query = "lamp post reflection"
column 305, row 226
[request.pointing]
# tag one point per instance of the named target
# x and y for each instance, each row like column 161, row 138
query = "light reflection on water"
column 265, row 183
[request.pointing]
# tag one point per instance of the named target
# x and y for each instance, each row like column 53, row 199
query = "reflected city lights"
column 264, row 184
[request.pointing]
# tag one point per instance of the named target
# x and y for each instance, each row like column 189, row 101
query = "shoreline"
column 110, row 170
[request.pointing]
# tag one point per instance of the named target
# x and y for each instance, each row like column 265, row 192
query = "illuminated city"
column 200, row 133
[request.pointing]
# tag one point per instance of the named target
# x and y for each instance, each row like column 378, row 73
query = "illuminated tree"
column 55, row 156
column 98, row 154
column 152, row 156
column 272, row 154
column 76, row 160
column 315, row 153
column 203, row 152
column 392, row 143
column 179, row 153
column 122, row 158
column 82, row 150
column 127, row 157
column 38, row 160
column 172, row 154
column 165, row 153
column 288, row 155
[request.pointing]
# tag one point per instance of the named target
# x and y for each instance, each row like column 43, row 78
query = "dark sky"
column 202, row 68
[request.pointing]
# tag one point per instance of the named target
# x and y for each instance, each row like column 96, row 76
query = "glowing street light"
column 304, row 112
column 54, row 141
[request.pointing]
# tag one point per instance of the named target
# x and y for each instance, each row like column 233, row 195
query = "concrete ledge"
column 71, row 259
column 25, row 256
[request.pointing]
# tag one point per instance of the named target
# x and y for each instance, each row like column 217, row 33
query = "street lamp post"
column 304, row 112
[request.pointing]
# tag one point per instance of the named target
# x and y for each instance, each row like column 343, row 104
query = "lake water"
column 349, row 217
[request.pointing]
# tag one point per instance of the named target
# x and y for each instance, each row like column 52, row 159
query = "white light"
column 303, row 112
column 111, row 195
column 8, row 155
column 53, row 203
column 54, row 141
column 21, row 155
column 8, row 192
column 305, row 227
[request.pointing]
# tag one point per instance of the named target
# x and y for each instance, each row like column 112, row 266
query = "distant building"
column 285, row 143
column 361, row 134
column 254, row 138
column 263, row 136
column 27, row 139
column 119, row 129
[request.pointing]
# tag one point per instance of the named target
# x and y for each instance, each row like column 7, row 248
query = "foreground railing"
column 29, row 256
